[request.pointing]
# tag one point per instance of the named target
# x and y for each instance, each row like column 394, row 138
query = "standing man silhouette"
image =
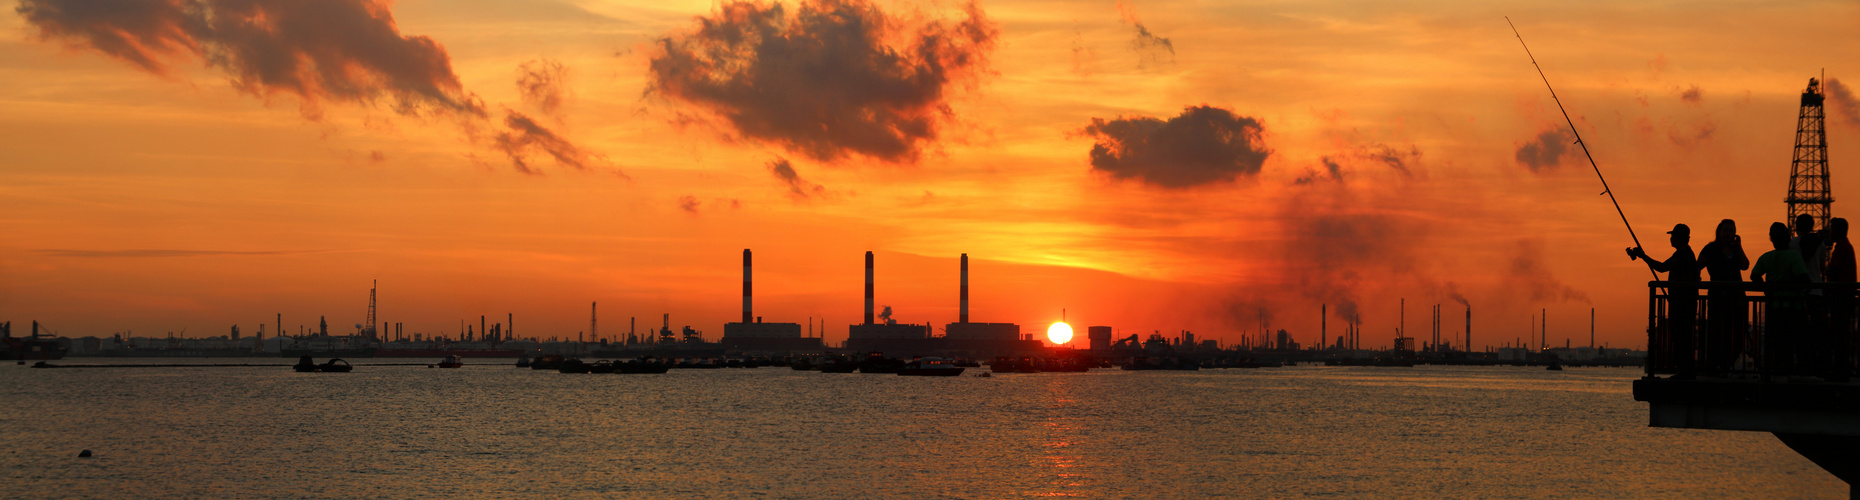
column 1682, row 303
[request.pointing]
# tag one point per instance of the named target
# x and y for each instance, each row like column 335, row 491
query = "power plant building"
column 751, row 334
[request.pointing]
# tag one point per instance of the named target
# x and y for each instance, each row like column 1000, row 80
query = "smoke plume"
column 1842, row 102
column 1546, row 152
column 1203, row 145
column 1691, row 95
column 825, row 82
column 689, row 204
column 1528, row 273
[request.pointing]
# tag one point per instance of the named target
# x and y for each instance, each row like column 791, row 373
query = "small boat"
column 1554, row 366
column 602, row 366
column 876, row 362
column 930, row 367
column 304, row 365
column 523, row 361
column 642, row 365
column 335, row 366
column 452, row 362
column 839, row 366
column 572, row 365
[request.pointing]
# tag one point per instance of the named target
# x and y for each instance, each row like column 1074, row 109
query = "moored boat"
column 930, row 367
column 452, row 362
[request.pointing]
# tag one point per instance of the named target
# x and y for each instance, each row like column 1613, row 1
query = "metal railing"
column 1766, row 329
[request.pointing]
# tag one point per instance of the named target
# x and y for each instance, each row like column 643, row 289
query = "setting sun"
column 1059, row 333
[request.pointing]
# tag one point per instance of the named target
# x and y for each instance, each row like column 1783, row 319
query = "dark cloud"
column 1528, row 274
column 798, row 188
column 344, row 51
column 1546, row 152
column 825, row 82
column 689, row 204
column 523, row 136
column 1203, row 145
column 543, row 83
column 1841, row 102
column 1691, row 95
column 338, row 50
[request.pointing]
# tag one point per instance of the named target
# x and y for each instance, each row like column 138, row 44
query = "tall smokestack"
column 868, row 288
column 594, row 320
column 510, row 326
column 748, row 312
column 1323, row 324
column 963, row 316
column 1468, row 328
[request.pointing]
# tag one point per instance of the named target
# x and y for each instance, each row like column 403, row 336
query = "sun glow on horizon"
column 1059, row 333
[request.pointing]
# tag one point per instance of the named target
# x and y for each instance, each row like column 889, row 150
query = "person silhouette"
column 1724, row 260
column 1682, row 271
column 1786, row 315
column 1840, row 269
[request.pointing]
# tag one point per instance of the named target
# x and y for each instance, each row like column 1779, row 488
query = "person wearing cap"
column 1682, row 302
column 1786, row 315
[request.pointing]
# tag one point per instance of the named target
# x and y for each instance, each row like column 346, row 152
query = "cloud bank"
column 1203, row 145
column 833, row 79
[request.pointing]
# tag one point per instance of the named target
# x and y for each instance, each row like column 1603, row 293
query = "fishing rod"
column 1585, row 146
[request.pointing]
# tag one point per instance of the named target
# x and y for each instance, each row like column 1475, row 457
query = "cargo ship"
column 29, row 348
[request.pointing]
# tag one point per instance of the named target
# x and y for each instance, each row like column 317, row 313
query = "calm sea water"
column 501, row 432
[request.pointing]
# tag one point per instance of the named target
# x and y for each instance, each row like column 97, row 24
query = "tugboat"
column 602, row 366
column 452, row 362
column 930, row 367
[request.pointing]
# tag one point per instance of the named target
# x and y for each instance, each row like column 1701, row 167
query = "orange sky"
column 189, row 197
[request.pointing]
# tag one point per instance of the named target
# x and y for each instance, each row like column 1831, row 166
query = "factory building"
column 751, row 334
column 983, row 339
column 886, row 336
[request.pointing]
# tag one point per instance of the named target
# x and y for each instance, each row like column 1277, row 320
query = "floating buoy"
column 84, row 454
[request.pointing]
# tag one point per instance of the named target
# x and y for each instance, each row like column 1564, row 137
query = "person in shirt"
column 1682, row 270
column 1786, row 314
column 1724, row 261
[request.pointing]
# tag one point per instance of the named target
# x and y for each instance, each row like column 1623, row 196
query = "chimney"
column 1323, row 324
column 963, row 316
column 747, row 310
column 868, row 288
column 510, row 322
column 1468, row 328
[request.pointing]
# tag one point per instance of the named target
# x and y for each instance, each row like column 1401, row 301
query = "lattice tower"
column 1808, row 177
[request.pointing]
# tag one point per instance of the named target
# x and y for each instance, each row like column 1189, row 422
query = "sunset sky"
column 1147, row 165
